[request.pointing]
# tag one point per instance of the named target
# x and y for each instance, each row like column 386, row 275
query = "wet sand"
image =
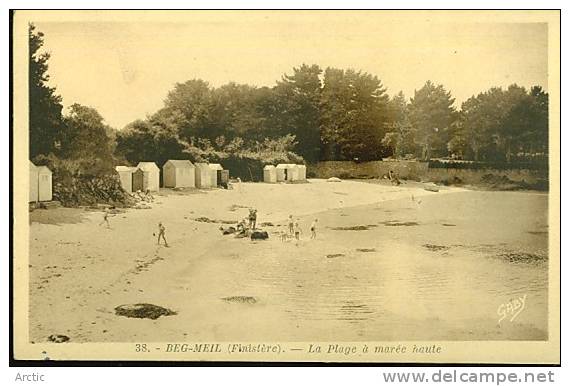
column 435, row 267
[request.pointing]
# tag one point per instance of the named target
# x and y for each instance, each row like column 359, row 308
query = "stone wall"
column 473, row 176
column 373, row 169
column 419, row 171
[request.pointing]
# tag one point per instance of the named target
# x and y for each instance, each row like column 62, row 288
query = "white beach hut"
column 290, row 172
column 203, row 176
column 179, row 174
column 153, row 175
column 126, row 177
column 33, row 183
column 302, row 172
column 280, row 172
column 216, row 170
column 44, row 183
column 269, row 174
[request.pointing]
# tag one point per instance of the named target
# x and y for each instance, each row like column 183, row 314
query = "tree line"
column 310, row 114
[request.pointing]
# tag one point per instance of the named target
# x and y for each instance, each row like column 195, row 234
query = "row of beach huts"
column 176, row 174
column 284, row 173
column 185, row 174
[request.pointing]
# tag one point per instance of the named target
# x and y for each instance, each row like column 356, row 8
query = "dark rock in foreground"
column 143, row 311
column 56, row 338
column 259, row 235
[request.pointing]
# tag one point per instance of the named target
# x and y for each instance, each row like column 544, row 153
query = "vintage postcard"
column 286, row 186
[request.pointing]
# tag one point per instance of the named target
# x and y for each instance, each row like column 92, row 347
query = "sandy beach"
column 389, row 263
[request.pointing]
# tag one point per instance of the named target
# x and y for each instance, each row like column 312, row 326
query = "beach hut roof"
column 43, row 169
column 122, row 168
column 216, row 167
column 268, row 167
column 180, row 163
column 147, row 166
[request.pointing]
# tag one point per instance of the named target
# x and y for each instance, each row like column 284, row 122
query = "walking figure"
column 314, row 229
column 161, row 232
column 105, row 218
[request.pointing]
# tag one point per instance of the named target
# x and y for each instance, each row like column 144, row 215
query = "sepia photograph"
column 286, row 186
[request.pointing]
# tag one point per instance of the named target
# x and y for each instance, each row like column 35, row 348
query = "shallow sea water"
column 443, row 274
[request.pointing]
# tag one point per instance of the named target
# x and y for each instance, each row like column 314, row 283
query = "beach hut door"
column 138, row 181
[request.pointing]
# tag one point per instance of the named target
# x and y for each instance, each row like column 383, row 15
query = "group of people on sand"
column 248, row 222
column 296, row 231
column 245, row 225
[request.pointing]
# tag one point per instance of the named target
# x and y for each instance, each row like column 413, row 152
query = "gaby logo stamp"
column 512, row 308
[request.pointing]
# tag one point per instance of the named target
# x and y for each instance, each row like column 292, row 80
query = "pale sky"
column 125, row 69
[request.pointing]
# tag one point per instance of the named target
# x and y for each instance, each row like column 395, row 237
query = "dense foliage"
column 309, row 115
column 45, row 105
column 77, row 146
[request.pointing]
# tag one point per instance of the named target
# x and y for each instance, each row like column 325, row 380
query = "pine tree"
column 45, row 119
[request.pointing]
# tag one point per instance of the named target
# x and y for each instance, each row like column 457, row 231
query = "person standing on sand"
column 252, row 218
column 291, row 224
column 161, row 232
column 314, row 229
column 297, row 231
column 105, row 218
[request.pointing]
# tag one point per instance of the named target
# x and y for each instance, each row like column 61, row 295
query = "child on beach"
column 297, row 231
column 291, row 231
column 105, row 218
column 241, row 226
column 161, row 232
column 252, row 218
column 314, row 229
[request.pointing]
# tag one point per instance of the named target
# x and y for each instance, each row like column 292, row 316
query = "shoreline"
column 342, row 282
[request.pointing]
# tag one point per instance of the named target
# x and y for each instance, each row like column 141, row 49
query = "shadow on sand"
column 58, row 216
